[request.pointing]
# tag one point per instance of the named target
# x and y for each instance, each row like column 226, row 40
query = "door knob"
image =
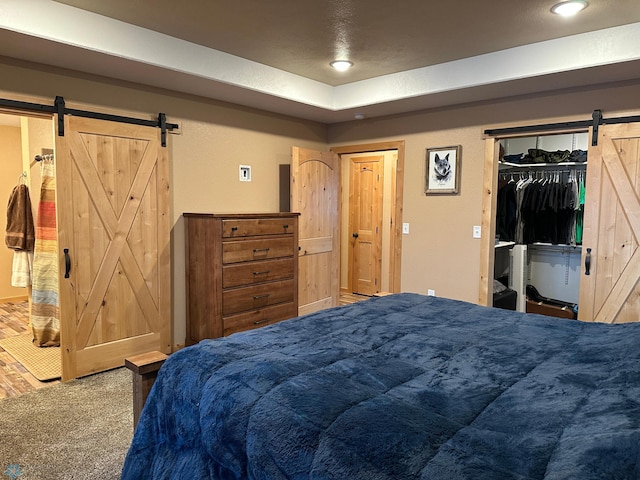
column 354, row 235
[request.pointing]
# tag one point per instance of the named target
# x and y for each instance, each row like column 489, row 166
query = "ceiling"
column 407, row 55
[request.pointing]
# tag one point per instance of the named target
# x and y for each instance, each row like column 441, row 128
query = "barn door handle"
column 355, row 235
column 67, row 263
column 587, row 262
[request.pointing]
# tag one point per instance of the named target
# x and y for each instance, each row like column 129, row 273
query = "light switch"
column 245, row 173
column 477, row 231
column 405, row 229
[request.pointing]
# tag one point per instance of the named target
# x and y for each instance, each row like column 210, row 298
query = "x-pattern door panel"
column 113, row 182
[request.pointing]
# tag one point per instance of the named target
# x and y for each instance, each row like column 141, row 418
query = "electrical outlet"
column 477, row 232
column 405, row 229
column 431, row 293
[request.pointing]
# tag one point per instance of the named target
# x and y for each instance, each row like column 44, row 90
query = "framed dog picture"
column 443, row 170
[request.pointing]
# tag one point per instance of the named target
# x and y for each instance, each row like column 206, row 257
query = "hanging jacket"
column 20, row 234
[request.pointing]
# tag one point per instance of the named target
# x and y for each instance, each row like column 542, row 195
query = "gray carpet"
column 75, row 430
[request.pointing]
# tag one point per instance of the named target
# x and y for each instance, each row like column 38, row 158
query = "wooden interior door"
column 365, row 223
column 113, row 222
column 610, row 293
column 315, row 187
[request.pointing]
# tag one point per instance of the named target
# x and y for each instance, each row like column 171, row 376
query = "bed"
column 398, row 387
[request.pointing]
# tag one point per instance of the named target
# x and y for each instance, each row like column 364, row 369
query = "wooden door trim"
column 488, row 221
column 397, row 192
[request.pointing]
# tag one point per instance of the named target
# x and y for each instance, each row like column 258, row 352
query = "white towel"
column 22, row 268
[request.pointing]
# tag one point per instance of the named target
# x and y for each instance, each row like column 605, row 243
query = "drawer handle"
column 260, row 322
column 266, row 295
column 262, row 273
column 257, row 250
column 233, row 229
column 285, row 226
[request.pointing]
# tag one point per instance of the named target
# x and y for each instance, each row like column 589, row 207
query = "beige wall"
column 215, row 139
column 37, row 134
column 440, row 253
column 10, row 170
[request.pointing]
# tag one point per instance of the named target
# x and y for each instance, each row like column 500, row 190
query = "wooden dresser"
column 241, row 272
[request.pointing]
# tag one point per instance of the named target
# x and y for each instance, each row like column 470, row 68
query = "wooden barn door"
column 611, row 292
column 315, row 190
column 113, row 230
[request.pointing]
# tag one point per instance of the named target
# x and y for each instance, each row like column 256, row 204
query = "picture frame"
column 442, row 175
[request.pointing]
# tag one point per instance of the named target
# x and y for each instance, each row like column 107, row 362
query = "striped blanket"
column 45, row 321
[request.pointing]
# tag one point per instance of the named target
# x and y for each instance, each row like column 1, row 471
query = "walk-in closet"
column 602, row 269
column 539, row 219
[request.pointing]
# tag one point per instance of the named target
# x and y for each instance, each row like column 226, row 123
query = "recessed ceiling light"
column 569, row 8
column 341, row 65
column 358, row 116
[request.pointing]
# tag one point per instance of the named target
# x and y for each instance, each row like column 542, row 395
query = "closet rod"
column 59, row 108
column 596, row 120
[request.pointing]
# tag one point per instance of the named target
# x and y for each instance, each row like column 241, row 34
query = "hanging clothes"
column 45, row 312
column 20, row 234
column 506, row 211
column 541, row 210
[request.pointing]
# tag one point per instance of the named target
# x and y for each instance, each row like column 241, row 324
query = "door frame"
column 397, row 187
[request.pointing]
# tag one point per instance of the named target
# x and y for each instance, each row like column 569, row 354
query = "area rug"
column 42, row 362
column 80, row 429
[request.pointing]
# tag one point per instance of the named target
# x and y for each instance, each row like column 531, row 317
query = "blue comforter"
column 399, row 387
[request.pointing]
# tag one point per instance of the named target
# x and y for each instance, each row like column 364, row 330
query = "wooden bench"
column 144, row 369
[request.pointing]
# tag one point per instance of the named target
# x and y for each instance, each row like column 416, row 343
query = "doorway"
column 370, row 262
column 23, row 138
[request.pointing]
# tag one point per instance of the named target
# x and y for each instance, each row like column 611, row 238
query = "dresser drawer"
column 259, row 318
column 240, row 274
column 241, row 271
column 249, row 298
column 261, row 249
column 251, row 227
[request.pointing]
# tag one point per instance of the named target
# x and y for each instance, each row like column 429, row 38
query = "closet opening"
column 539, row 214
column 609, row 266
